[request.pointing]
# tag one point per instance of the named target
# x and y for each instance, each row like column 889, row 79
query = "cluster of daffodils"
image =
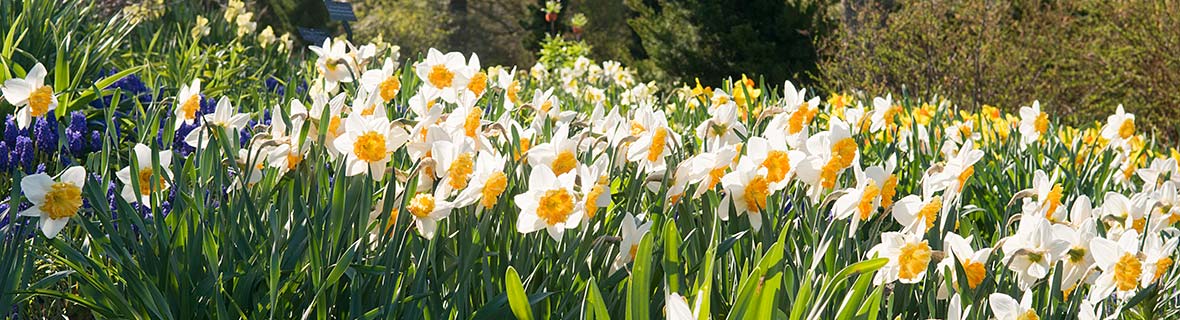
column 556, row 150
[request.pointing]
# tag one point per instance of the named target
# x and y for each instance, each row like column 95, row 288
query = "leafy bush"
column 1079, row 58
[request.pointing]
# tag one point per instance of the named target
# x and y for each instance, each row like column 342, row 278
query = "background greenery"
column 1079, row 58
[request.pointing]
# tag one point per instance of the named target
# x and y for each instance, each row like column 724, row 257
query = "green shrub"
column 1081, row 59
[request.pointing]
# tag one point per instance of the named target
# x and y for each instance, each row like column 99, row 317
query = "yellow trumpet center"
column 492, row 189
column 440, row 76
column 62, row 200
column 756, row 192
column 866, row 207
column 1127, row 271
column 190, row 107
column 460, row 170
column 389, row 88
column 564, row 162
column 422, row 205
column 659, row 140
column 555, row 206
column 777, row 165
column 370, row 147
column 39, row 101
column 1127, row 128
column 912, row 260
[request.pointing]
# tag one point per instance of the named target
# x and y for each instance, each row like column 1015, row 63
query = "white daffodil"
column 1119, row 128
column 383, row 82
column 1157, row 258
column 487, row 183
column 455, row 162
column 955, row 173
column 224, row 117
column 1048, row 197
column 973, row 261
column 676, row 308
column 1033, row 124
column 775, row 155
column 955, row 310
column 884, row 113
column 427, row 209
column 1032, row 250
column 549, row 203
column 632, row 233
column 652, row 148
column 334, row 63
column 55, row 202
column 559, row 154
column 722, row 127
column 908, row 254
column 595, row 186
column 861, row 201
column 291, row 144
column 188, row 103
column 747, row 189
column 443, row 75
column 367, row 144
column 1004, row 307
column 32, row 97
column 144, row 174
column 919, row 213
column 1078, row 259
column 828, row 154
column 1122, row 213
column 1122, row 268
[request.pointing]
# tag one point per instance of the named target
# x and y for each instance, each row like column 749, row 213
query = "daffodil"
column 32, row 97
column 334, row 63
column 1004, row 307
column 455, row 162
column 918, row 212
column 828, row 154
column 427, row 209
column 368, row 143
column 443, row 75
column 747, row 188
column 632, row 233
column 909, row 257
column 1078, row 259
column 146, row 179
column 188, row 103
column 1033, row 124
column 487, row 184
column 1121, row 265
column 722, row 127
column 224, row 117
column 1032, row 250
column 861, row 201
column 652, row 147
column 55, row 202
column 595, row 186
column 1122, row 213
column 1157, row 257
column 973, row 262
column 559, row 154
column 1120, row 127
column 382, row 82
column 777, row 157
column 550, row 203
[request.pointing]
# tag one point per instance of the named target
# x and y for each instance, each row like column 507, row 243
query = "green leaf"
column 639, row 291
column 517, row 300
column 594, row 307
column 672, row 259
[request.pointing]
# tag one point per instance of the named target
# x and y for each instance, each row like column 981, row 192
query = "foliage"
column 1079, row 58
column 717, row 39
